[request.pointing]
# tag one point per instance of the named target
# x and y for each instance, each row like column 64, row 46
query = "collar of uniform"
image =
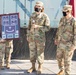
column 68, row 19
column 39, row 15
column 35, row 15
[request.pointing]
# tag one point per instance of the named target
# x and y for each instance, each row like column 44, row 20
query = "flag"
column 73, row 3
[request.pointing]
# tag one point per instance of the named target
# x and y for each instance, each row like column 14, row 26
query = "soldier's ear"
column 42, row 9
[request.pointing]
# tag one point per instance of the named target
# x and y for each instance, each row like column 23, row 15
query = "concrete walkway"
column 20, row 67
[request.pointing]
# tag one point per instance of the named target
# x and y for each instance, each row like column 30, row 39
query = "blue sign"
column 10, row 26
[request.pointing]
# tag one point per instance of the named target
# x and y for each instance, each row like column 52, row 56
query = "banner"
column 10, row 26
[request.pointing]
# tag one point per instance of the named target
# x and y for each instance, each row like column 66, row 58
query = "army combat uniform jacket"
column 66, row 33
column 42, row 21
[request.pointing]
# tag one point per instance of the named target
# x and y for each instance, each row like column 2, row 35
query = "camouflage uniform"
column 8, row 51
column 66, row 36
column 36, row 36
column 2, row 53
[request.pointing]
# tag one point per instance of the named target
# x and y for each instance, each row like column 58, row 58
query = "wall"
column 21, row 49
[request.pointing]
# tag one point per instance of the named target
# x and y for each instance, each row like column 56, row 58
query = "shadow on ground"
column 19, row 72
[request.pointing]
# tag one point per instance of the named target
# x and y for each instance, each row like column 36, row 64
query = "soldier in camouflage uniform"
column 2, row 53
column 8, row 51
column 66, row 40
column 39, row 23
column 6, row 48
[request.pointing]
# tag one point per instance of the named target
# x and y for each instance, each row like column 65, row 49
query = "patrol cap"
column 39, row 3
column 67, row 8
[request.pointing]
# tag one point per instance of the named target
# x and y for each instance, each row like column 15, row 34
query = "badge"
column 33, row 21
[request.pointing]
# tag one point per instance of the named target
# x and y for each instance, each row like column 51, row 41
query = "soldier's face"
column 66, row 13
column 38, row 8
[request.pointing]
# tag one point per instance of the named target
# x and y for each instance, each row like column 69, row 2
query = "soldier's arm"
column 74, row 41
column 29, row 26
column 47, row 23
column 56, row 37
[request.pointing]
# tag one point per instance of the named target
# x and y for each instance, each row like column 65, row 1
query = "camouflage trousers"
column 2, row 53
column 8, row 52
column 64, row 57
column 5, row 54
column 36, row 51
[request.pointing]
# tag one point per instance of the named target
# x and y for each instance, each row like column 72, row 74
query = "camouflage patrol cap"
column 39, row 3
column 67, row 8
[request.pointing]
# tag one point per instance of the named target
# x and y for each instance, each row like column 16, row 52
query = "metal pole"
column 25, row 13
column 3, row 6
column 16, row 6
column 30, row 6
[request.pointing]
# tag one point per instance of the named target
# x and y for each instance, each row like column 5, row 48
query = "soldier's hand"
column 56, row 42
column 27, row 39
column 37, row 26
column 73, row 47
column 2, row 40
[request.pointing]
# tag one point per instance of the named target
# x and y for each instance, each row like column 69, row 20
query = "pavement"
column 20, row 67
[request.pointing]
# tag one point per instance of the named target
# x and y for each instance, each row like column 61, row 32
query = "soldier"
column 66, row 40
column 2, row 53
column 39, row 23
column 8, row 51
column 6, row 48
